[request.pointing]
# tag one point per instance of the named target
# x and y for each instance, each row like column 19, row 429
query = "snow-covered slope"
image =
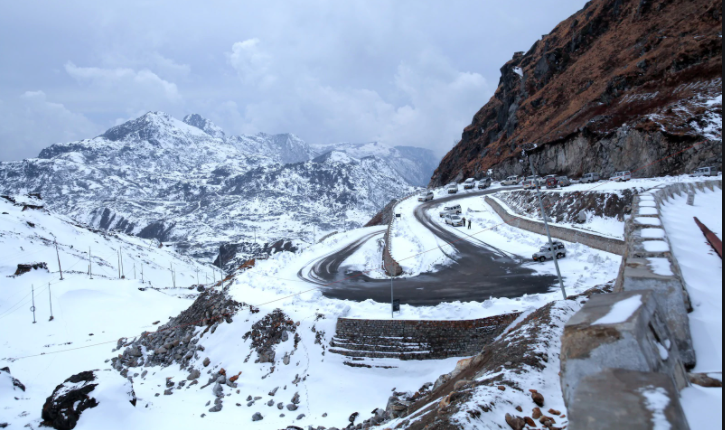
column 187, row 182
column 416, row 165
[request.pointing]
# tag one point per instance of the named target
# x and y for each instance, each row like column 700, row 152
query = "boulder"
column 69, row 400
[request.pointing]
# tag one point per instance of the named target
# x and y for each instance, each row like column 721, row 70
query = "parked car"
column 484, row 183
column 511, row 180
column 621, row 177
column 453, row 189
column 551, row 182
column 529, row 183
column 563, row 181
column 426, row 196
column 451, row 210
column 469, row 184
column 545, row 253
column 454, row 220
column 590, row 178
column 705, row 171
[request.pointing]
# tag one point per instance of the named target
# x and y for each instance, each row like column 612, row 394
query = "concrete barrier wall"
column 417, row 340
column 595, row 241
column 391, row 266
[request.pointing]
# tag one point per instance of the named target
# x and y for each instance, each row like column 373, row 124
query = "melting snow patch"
column 656, row 246
column 657, row 401
column 653, row 233
column 520, row 71
column 621, row 311
column 661, row 266
column 649, row 221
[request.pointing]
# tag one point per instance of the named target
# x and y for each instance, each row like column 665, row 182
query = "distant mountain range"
column 189, row 183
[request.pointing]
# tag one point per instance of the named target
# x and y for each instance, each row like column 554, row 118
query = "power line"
column 345, row 279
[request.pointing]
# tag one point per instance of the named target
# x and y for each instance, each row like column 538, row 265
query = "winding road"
column 478, row 273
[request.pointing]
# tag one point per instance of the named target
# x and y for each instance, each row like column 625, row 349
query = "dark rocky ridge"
column 618, row 86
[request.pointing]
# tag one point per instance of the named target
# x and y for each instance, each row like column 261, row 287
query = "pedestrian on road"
column 464, row 221
column 469, row 224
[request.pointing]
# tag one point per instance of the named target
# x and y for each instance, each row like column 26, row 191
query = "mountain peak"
column 208, row 127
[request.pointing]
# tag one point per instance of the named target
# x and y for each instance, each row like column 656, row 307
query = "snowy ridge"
column 188, row 183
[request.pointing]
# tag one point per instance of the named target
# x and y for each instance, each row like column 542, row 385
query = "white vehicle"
column 511, row 180
column 484, row 183
column 469, row 184
column 426, row 196
column 622, row 177
column 590, row 178
column 529, row 183
column 705, row 171
column 454, row 220
column 453, row 189
column 451, row 210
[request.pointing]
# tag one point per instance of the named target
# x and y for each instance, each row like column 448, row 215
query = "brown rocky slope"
column 619, row 85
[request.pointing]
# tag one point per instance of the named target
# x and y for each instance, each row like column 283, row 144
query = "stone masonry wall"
column 417, row 340
column 595, row 241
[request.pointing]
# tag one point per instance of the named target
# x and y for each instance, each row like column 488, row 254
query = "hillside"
column 617, row 86
column 188, row 183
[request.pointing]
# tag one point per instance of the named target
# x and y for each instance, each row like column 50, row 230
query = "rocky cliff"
column 620, row 85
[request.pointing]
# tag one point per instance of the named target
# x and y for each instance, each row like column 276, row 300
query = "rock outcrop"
column 620, row 85
column 69, row 400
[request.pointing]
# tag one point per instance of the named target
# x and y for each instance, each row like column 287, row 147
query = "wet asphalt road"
column 478, row 273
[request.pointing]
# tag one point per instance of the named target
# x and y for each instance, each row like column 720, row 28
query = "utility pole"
column 197, row 276
column 120, row 253
column 118, row 263
column 548, row 232
column 60, row 268
column 50, row 296
column 32, row 309
column 173, row 275
column 90, row 262
column 142, row 280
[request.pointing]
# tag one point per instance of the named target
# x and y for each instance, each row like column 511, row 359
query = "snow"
column 519, row 71
column 653, row 233
column 660, row 266
column 702, row 272
column 657, row 400
column 656, row 246
column 703, row 406
column 654, row 222
column 621, row 311
column 602, row 226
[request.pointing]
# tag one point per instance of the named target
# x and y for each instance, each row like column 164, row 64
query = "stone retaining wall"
column 417, row 340
column 595, row 241
column 391, row 266
column 649, row 269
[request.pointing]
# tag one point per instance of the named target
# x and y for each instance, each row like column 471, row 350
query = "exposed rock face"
column 562, row 208
column 619, row 85
column 270, row 331
column 64, row 407
column 26, row 268
column 177, row 342
column 17, row 385
column 383, row 217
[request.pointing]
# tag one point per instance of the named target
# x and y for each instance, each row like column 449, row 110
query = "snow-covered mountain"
column 188, row 182
column 416, row 165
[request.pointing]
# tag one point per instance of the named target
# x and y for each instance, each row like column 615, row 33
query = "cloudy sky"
column 403, row 72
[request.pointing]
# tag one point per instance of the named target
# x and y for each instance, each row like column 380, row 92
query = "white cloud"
column 141, row 90
column 31, row 123
column 434, row 102
column 251, row 63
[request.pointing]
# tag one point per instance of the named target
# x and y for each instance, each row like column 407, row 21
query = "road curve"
column 479, row 271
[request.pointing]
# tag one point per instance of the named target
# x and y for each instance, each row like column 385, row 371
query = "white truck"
column 511, row 180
